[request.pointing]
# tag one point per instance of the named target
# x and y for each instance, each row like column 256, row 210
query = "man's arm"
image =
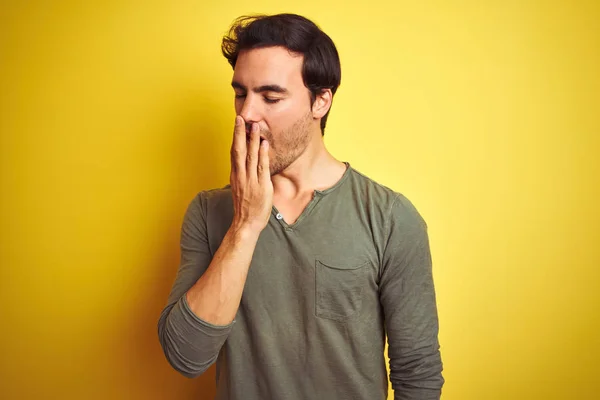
column 408, row 298
column 190, row 343
column 206, row 294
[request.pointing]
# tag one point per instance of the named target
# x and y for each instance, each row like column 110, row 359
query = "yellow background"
column 485, row 114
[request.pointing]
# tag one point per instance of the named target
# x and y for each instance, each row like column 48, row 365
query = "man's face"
column 269, row 90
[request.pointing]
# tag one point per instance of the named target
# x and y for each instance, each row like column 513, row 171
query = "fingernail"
column 238, row 120
column 254, row 127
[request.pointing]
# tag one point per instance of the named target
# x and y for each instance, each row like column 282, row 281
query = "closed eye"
column 266, row 99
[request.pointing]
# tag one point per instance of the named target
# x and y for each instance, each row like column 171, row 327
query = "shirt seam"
column 387, row 230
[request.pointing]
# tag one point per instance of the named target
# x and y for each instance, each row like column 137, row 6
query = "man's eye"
column 240, row 96
column 271, row 101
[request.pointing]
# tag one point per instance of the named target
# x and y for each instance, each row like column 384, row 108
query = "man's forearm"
column 206, row 294
column 215, row 297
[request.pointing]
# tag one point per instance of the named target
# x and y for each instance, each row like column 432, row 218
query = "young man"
column 292, row 275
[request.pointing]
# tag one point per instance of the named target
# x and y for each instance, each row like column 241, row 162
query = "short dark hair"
column 321, row 65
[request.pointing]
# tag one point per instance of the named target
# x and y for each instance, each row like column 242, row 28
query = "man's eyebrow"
column 270, row 88
column 237, row 85
column 260, row 89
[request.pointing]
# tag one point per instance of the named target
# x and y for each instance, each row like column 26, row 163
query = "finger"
column 252, row 156
column 264, row 172
column 238, row 147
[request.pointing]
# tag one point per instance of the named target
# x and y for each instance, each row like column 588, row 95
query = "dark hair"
column 321, row 65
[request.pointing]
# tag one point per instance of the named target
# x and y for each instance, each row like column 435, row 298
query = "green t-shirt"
column 320, row 297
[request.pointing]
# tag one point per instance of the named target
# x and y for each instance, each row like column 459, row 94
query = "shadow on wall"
column 145, row 370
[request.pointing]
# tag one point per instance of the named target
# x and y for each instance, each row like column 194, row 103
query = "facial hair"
column 289, row 145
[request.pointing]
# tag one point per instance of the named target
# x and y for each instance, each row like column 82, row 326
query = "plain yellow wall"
column 114, row 114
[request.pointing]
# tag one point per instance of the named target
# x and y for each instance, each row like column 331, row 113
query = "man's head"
column 286, row 71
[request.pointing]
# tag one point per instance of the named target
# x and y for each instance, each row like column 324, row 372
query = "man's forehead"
column 267, row 65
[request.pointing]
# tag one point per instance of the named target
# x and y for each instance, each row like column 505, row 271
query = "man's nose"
column 250, row 111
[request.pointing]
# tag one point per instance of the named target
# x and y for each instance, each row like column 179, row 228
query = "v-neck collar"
column 317, row 196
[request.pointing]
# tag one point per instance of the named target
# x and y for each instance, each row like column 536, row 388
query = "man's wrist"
column 243, row 233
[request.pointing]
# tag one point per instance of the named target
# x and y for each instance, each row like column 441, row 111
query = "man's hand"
column 250, row 179
column 216, row 295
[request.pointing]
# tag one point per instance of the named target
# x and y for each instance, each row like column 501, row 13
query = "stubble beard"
column 290, row 144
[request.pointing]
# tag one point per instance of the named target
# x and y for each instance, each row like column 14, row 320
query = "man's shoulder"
column 392, row 202
column 216, row 194
column 368, row 185
column 213, row 200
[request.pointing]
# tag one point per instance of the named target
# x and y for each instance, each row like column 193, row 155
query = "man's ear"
column 322, row 103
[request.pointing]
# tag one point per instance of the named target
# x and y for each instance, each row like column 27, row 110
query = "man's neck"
column 315, row 169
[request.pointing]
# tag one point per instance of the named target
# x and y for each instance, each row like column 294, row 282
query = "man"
column 292, row 275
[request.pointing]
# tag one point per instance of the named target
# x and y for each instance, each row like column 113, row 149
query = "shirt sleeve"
column 190, row 344
column 408, row 299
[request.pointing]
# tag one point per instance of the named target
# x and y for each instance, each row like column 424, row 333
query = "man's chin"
column 273, row 171
column 276, row 169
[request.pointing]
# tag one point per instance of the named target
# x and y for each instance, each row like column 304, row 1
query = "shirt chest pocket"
column 339, row 290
